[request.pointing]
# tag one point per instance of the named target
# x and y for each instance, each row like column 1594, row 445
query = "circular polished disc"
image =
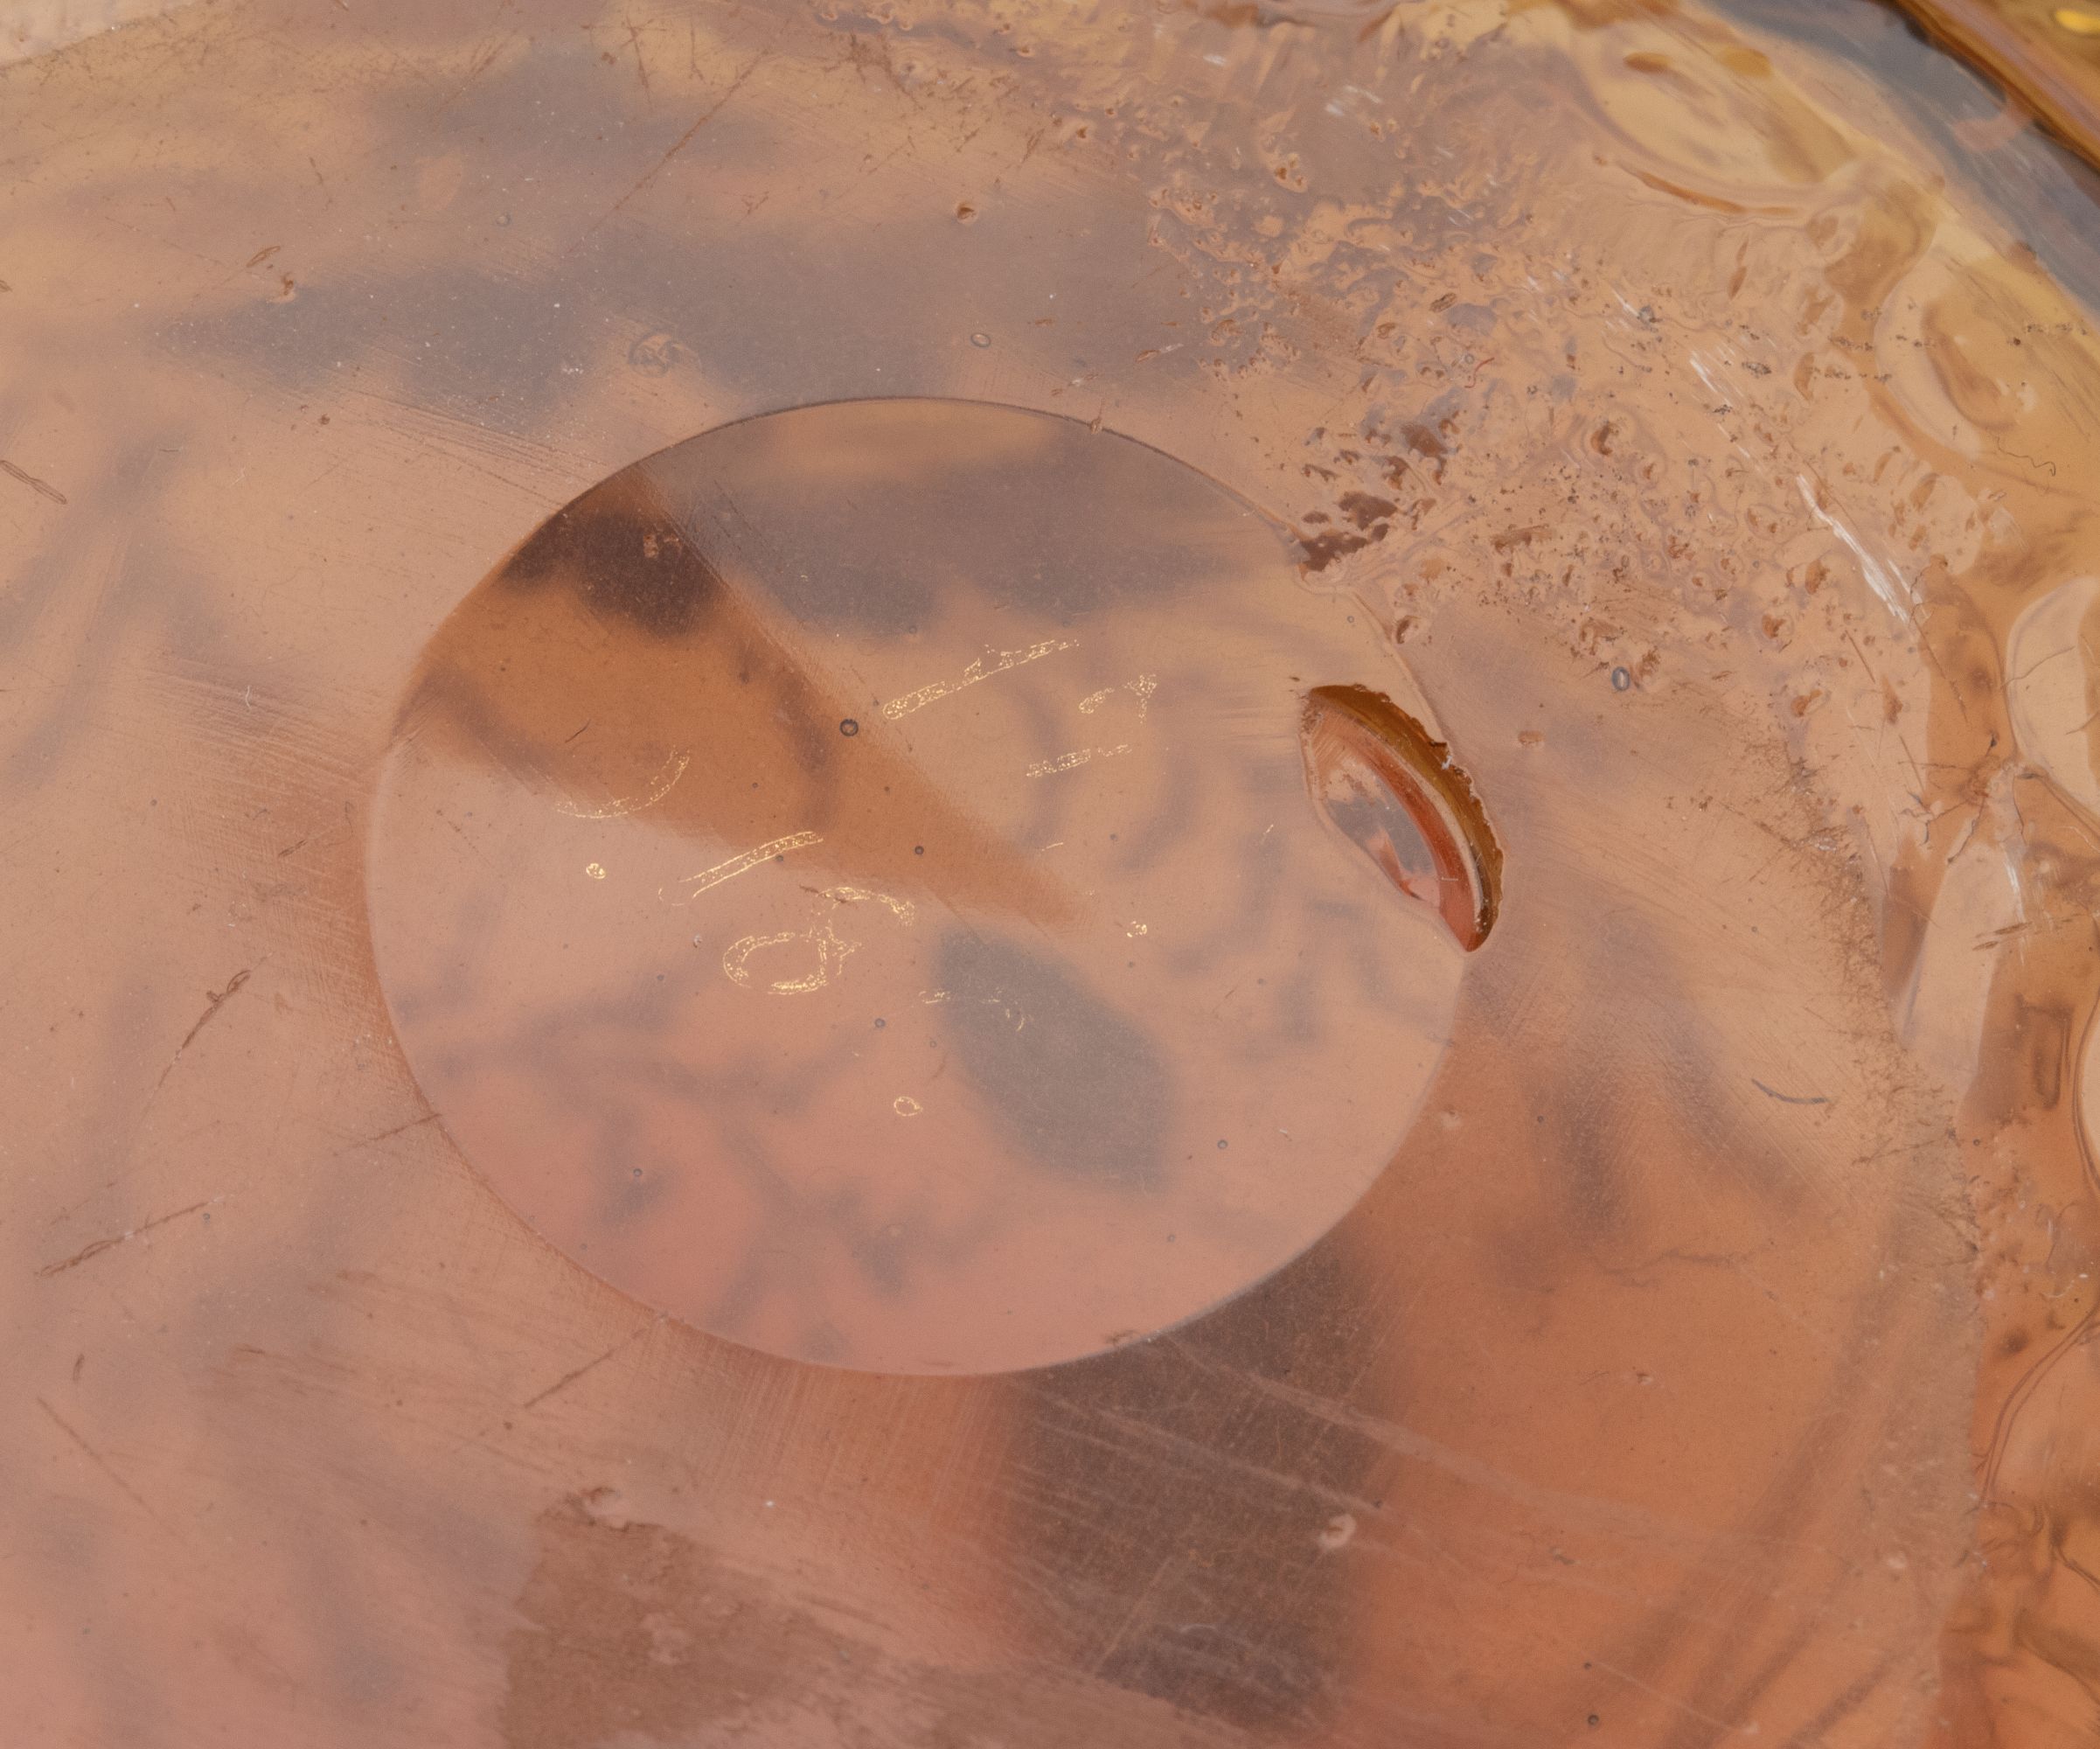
column 869, row 881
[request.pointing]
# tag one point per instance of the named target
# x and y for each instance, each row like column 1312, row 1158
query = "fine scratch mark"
column 659, row 788
column 1573, row 1509
column 1895, row 597
column 570, row 1377
column 482, row 62
column 634, row 37
column 1172, row 1565
column 742, row 864
column 32, row 481
column 102, row 1464
column 214, row 1001
column 1789, row 1099
column 935, row 691
column 684, row 139
column 101, row 1246
column 387, row 1135
column 1670, row 1700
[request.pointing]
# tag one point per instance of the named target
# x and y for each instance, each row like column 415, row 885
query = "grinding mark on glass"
column 832, row 950
column 632, row 805
column 1143, row 686
column 831, row 954
column 742, row 865
column 1078, row 756
column 934, row 691
column 902, row 910
column 740, row 950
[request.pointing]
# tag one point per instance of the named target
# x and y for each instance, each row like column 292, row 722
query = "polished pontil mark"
column 951, row 887
column 1076, row 1087
column 620, row 546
